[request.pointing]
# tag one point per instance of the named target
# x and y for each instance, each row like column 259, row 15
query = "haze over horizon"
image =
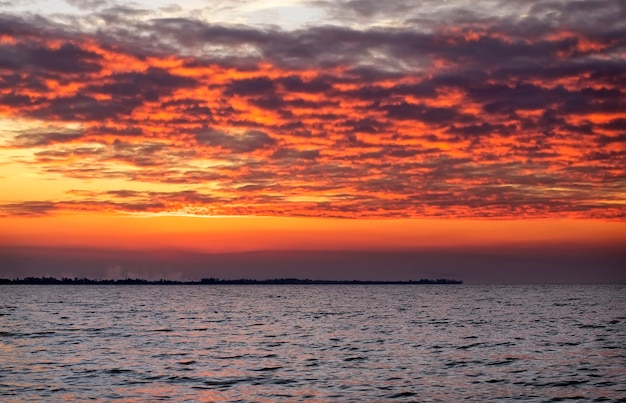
column 344, row 139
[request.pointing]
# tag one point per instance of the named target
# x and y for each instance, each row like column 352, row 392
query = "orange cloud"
column 474, row 121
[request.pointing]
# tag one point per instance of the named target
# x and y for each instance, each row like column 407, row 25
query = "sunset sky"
column 479, row 140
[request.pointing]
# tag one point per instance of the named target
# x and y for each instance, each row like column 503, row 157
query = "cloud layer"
column 447, row 112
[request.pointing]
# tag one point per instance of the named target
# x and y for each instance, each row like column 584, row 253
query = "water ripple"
column 312, row 343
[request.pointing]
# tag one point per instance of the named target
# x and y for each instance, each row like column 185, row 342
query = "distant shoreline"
column 215, row 281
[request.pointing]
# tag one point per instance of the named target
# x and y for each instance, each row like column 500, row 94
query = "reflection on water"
column 268, row 343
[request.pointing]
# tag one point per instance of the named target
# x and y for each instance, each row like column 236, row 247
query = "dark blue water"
column 267, row 343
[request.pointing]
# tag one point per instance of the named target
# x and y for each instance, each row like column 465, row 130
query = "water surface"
column 268, row 343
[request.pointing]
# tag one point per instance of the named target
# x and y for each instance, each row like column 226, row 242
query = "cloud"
column 149, row 85
column 247, row 141
column 66, row 58
column 27, row 209
column 251, row 86
column 42, row 137
column 289, row 153
column 88, row 5
column 398, row 109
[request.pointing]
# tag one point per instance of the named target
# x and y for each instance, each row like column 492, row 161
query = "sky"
column 343, row 139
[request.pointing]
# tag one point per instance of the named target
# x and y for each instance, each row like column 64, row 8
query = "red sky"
column 344, row 126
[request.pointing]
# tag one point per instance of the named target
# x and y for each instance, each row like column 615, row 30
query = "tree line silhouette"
column 209, row 281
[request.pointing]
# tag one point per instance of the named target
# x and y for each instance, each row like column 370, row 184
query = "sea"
column 312, row 343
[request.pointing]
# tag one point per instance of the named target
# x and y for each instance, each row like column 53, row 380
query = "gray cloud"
column 43, row 137
column 248, row 141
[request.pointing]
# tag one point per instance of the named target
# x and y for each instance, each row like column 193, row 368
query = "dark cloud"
column 140, row 87
column 145, row 154
column 482, row 129
column 67, row 58
column 618, row 124
column 251, row 86
column 43, row 138
column 297, row 84
column 410, row 111
column 193, row 109
column 83, row 108
column 606, row 140
column 367, row 125
column 289, row 153
column 399, row 152
column 16, row 101
column 269, row 102
column 248, row 141
column 118, row 131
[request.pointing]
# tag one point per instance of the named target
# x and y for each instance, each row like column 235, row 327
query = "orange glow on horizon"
column 239, row 234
